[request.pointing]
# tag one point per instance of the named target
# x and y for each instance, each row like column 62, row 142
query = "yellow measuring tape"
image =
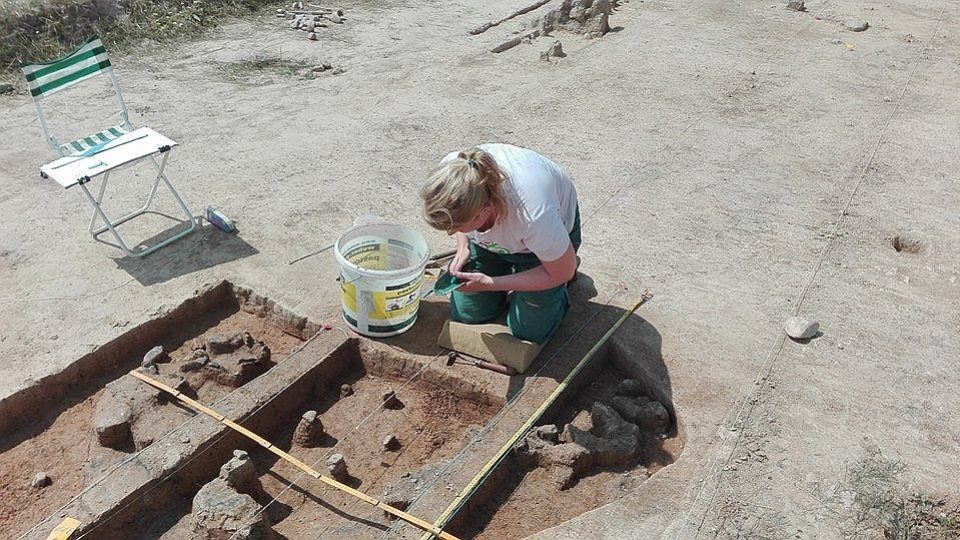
column 472, row 486
column 413, row 520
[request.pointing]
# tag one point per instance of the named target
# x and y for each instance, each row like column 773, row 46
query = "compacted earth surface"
column 744, row 161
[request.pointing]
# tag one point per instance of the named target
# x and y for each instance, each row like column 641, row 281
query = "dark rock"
column 549, row 433
column 645, row 414
column 337, row 467
column 155, row 355
column 391, row 443
column 796, row 5
column 309, row 432
column 346, row 390
column 6, row 88
column 390, row 400
column 194, row 365
column 237, row 363
column 224, row 344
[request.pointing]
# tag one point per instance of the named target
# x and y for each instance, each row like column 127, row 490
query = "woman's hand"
column 474, row 282
column 459, row 259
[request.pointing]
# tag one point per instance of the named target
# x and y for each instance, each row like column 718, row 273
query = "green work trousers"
column 531, row 315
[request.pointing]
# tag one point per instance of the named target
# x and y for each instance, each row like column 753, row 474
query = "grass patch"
column 40, row 30
column 871, row 498
column 261, row 69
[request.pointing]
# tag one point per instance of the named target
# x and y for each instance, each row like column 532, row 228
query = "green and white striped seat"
column 93, row 142
column 85, row 61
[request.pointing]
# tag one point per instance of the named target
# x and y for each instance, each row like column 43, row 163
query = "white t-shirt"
column 541, row 205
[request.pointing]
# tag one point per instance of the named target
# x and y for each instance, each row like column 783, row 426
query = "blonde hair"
column 456, row 191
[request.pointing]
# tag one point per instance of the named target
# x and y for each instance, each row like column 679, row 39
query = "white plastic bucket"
column 381, row 269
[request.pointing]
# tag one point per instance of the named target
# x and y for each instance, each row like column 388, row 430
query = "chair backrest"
column 88, row 60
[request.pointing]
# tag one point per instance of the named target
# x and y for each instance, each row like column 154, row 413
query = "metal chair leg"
column 111, row 225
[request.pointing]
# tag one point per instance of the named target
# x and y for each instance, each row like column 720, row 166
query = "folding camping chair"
column 82, row 160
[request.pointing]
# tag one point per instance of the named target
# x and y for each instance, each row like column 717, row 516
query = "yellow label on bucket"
column 396, row 302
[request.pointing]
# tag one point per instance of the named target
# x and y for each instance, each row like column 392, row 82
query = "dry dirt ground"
column 743, row 161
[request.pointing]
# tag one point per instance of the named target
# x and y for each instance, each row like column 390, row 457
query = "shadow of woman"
column 634, row 349
column 632, row 352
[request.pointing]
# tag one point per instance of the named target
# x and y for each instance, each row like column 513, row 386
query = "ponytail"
column 456, row 191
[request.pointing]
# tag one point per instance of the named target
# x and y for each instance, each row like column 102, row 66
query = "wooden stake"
column 413, row 520
column 507, row 45
column 486, row 26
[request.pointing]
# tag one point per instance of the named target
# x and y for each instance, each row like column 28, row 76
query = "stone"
column 346, row 390
column 796, row 5
column 294, row 24
column 41, row 480
column 391, row 443
column 607, row 422
column 588, row 17
column 224, row 344
column 155, row 356
column 308, row 25
column 194, row 365
column 309, row 431
column 111, row 423
column 312, row 36
column 646, row 414
column 235, row 362
column 240, row 474
column 554, row 51
column 800, row 328
column 613, row 442
column 334, row 18
column 7, row 88
column 220, row 512
column 390, row 400
column 339, row 71
column 856, row 25
column 549, row 433
column 337, row 467
column 127, row 411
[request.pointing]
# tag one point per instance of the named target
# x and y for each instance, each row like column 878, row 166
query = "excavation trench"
column 76, row 425
column 174, row 474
